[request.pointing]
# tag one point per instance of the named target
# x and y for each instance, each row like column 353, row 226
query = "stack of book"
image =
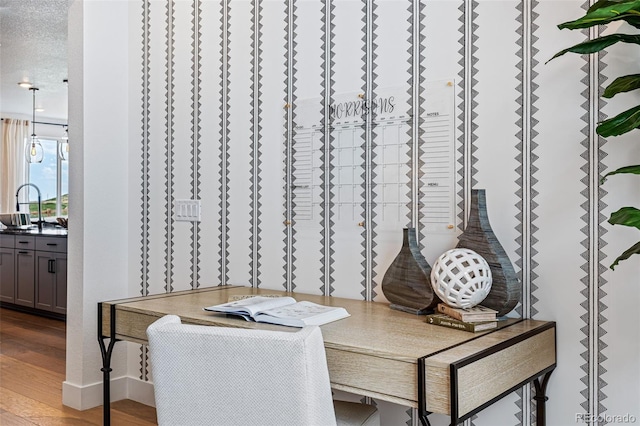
column 477, row 318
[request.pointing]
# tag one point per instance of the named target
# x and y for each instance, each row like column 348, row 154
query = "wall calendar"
column 387, row 113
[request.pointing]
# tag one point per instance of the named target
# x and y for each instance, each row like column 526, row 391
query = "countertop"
column 47, row 231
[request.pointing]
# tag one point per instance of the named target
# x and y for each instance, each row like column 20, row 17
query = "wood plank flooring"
column 32, row 369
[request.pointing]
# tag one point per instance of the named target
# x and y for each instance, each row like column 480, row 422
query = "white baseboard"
column 90, row 396
column 140, row 391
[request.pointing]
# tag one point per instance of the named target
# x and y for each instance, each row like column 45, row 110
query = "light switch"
column 187, row 210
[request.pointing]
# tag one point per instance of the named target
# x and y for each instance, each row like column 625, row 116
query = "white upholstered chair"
column 238, row 377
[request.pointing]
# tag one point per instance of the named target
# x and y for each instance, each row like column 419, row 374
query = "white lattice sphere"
column 461, row 278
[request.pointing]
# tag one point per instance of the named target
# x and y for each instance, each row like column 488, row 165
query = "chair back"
column 206, row 375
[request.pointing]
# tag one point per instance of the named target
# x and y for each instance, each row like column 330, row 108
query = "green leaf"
column 621, row 123
column 597, row 44
column 634, row 249
column 623, row 84
column 603, row 3
column 606, row 3
column 635, row 170
column 631, row 18
column 628, row 11
column 627, row 216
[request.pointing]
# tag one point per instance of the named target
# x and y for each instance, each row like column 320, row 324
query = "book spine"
column 445, row 322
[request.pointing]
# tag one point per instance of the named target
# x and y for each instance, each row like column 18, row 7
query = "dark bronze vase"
column 479, row 237
column 407, row 282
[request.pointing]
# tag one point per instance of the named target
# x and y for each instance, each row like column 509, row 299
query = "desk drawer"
column 484, row 369
column 385, row 378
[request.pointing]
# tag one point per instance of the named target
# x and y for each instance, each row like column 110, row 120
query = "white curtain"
column 13, row 166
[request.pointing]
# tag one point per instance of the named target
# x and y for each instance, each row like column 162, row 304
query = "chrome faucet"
column 39, row 203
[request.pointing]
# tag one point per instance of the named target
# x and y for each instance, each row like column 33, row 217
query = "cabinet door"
column 45, row 281
column 25, row 277
column 60, row 292
column 51, row 282
column 7, row 276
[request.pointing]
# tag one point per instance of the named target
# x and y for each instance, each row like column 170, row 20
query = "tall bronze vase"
column 407, row 282
column 479, row 237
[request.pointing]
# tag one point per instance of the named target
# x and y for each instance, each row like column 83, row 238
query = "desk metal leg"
column 422, row 398
column 423, row 418
column 541, row 398
column 106, row 352
column 423, row 413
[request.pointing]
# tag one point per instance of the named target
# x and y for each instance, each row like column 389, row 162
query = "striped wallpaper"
column 232, row 103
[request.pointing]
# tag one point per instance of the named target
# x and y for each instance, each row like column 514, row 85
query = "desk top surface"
column 373, row 328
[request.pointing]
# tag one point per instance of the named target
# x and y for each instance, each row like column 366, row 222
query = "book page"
column 301, row 314
column 299, row 310
column 252, row 305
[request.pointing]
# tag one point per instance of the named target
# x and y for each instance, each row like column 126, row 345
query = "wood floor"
column 32, row 369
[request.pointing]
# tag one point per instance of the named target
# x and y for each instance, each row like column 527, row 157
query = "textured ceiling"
column 33, row 47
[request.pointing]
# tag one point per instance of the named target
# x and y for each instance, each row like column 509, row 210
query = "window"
column 52, row 177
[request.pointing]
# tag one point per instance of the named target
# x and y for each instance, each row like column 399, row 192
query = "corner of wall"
column 140, row 391
column 90, row 396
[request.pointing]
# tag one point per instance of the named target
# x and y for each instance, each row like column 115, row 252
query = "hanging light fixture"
column 33, row 149
column 63, row 146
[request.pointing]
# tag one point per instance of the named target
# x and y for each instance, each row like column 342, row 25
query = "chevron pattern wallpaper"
column 239, row 103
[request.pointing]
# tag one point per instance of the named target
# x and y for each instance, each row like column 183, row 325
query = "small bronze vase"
column 407, row 282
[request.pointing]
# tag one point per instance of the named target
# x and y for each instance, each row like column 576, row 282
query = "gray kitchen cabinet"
column 7, row 269
column 25, row 277
column 7, row 275
column 51, row 275
column 33, row 272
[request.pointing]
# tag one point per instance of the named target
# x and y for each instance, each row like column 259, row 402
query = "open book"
column 281, row 310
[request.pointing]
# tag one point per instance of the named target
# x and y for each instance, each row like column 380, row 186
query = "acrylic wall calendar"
column 387, row 114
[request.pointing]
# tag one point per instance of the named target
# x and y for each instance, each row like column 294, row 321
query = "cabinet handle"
column 52, row 244
column 51, row 267
column 23, row 252
column 23, row 242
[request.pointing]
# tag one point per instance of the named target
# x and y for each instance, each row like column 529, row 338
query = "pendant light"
column 33, row 149
column 63, row 146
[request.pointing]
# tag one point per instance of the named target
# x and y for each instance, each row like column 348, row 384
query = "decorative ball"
column 461, row 278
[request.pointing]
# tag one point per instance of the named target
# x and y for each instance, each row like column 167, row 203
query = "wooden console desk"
column 378, row 352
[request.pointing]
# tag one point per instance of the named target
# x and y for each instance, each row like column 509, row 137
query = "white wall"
column 98, row 179
column 207, row 120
